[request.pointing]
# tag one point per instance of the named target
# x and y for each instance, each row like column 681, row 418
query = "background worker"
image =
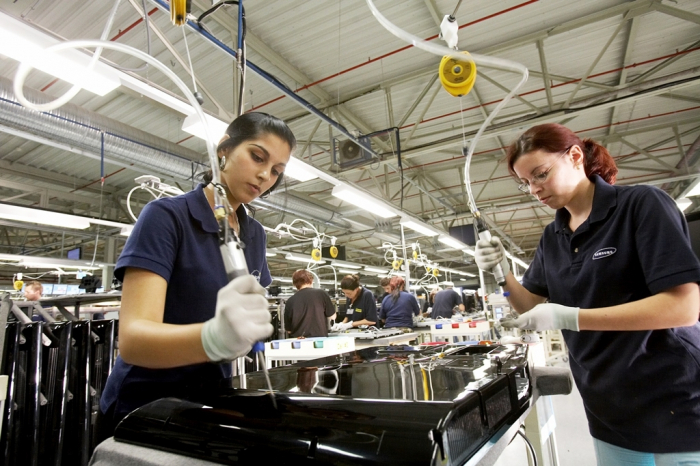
column 427, row 309
column 399, row 307
column 445, row 302
column 307, row 312
column 621, row 281
column 180, row 317
column 33, row 290
column 361, row 309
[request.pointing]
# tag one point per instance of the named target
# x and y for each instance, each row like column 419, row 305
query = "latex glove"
column 241, row 319
column 341, row 326
column 489, row 254
column 547, row 316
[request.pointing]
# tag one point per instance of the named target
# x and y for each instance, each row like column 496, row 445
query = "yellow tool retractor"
column 179, row 10
column 457, row 77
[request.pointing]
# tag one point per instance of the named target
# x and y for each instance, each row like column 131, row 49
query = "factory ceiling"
column 626, row 73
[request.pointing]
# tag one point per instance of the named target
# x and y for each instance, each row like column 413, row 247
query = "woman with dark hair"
column 360, row 308
column 399, row 307
column 178, row 312
column 615, row 271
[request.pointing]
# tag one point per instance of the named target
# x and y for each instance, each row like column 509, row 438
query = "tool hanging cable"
column 482, row 60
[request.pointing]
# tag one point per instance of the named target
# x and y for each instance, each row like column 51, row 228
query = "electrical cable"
column 529, row 446
column 197, row 94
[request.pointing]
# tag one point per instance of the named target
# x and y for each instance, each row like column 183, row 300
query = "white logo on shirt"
column 605, row 252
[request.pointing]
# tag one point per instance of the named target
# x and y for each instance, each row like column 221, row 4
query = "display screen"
column 75, row 254
column 60, row 289
column 72, row 289
column 48, row 289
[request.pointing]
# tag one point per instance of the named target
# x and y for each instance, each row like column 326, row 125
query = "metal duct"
column 75, row 127
column 301, row 208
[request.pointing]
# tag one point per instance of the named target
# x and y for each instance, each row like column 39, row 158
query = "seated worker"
column 360, row 307
column 307, row 311
column 399, row 307
column 445, row 301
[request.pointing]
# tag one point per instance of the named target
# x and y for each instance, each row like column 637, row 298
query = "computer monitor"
column 75, row 254
column 60, row 290
column 48, row 289
column 72, row 289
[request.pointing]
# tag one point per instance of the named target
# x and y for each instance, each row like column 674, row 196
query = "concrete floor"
column 574, row 443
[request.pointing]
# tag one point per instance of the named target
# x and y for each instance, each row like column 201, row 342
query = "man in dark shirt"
column 307, row 311
column 445, row 301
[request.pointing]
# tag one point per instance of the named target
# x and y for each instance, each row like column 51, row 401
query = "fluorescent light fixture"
column 469, row 251
column 348, row 271
column 290, row 256
column 683, row 203
column 58, row 219
column 516, row 260
column 347, row 265
column 451, row 242
column 26, row 44
column 299, row 170
column 283, row 280
column 53, row 263
column 270, row 254
column 363, row 201
column 418, row 227
column 194, row 126
column 695, row 190
column 376, row 270
column 44, row 217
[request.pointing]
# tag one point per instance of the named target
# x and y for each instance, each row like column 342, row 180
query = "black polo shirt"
column 363, row 307
column 445, row 301
column 641, row 389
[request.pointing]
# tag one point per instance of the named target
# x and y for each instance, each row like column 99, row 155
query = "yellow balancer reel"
column 316, row 254
column 334, row 252
column 457, row 77
column 179, row 10
column 17, row 285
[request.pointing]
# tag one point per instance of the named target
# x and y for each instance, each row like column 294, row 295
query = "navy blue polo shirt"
column 444, row 302
column 641, row 389
column 364, row 307
column 177, row 238
column 399, row 313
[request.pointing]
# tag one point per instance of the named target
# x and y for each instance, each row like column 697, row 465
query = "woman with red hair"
column 399, row 307
column 615, row 271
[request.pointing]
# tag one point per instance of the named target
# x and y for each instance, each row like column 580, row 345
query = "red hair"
column 554, row 138
column 396, row 284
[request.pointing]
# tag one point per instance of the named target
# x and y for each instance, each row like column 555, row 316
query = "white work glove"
column 547, row 316
column 340, row 326
column 241, row 320
column 489, row 254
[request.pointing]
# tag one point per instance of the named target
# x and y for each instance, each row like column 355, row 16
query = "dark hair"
column 396, row 284
column 350, row 282
column 250, row 126
column 384, row 281
column 552, row 138
column 302, row 277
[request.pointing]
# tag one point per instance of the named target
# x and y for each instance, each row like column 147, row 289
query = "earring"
column 222, row 162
